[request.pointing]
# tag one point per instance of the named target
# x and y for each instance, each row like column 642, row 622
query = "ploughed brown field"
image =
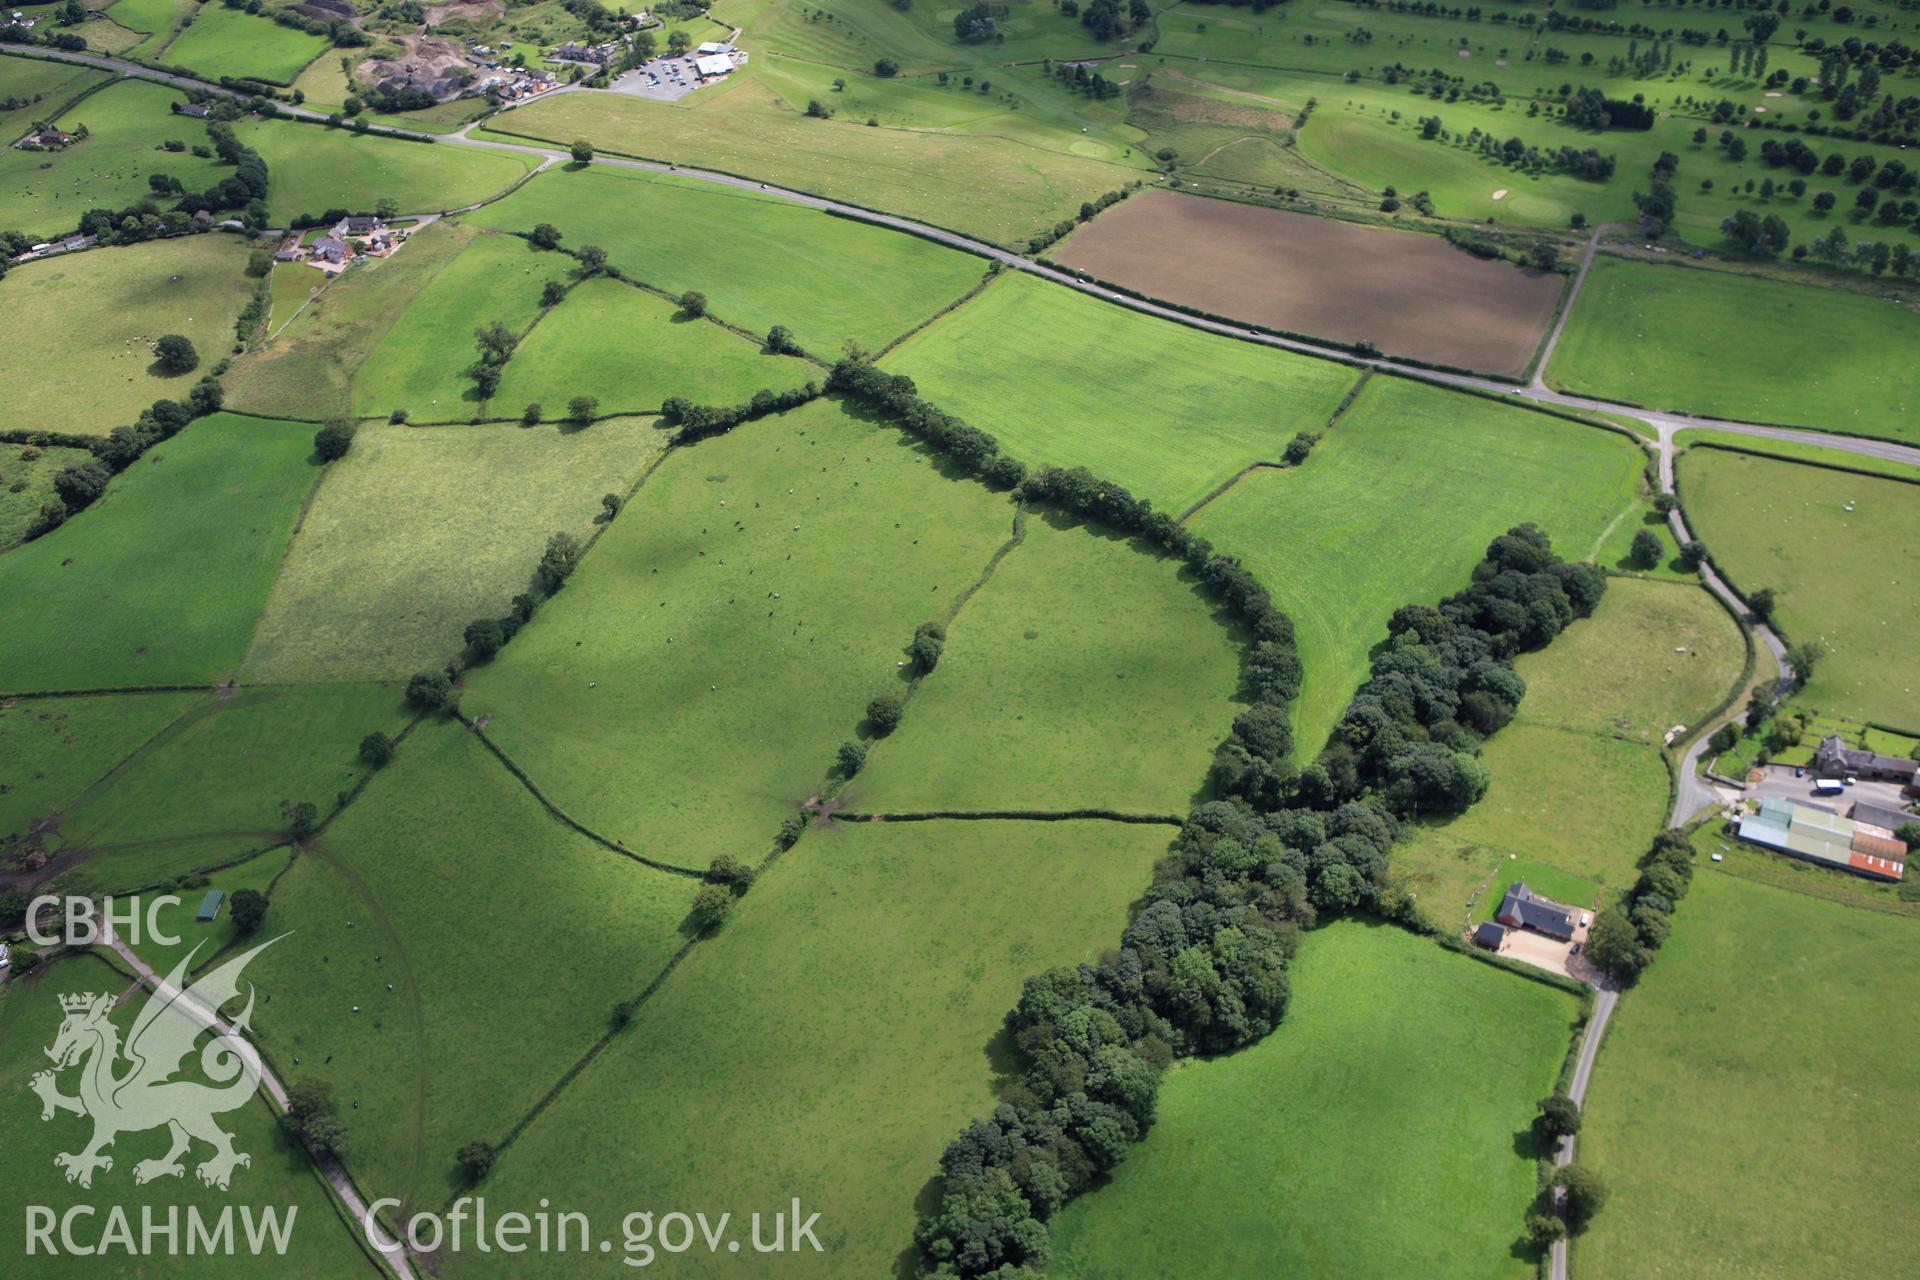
column 1409, row 294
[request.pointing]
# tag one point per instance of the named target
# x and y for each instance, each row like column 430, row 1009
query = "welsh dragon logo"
column 145, row 1094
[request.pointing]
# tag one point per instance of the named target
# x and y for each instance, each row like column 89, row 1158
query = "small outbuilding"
column 1489, row 935
column 1881, row 816
column 210, row 906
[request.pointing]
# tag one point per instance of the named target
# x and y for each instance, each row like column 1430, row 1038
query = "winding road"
column 270, row 1084
column 1692, row 795
column 1663, row 421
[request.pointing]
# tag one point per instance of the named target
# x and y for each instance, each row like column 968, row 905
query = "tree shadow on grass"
column 1531, row 1143
column 906, row 1265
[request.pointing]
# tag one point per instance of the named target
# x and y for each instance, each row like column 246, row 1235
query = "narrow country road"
column 1539, row 382
column 1663, row 421
column 1692, row 795
column 1605, row 998
column 329, row 1168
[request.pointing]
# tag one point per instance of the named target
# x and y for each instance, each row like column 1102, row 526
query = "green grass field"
column 208, row 789
column 43, row 193
column 292, row 286
column 233, row 42
column 26, row 483
column 95, row 316
column 181, row 918
column 1662, row 337
column 42, row 88
column 448, row 883
column 1578, row 785
column 1622, row 673
column 758, row 1086
column 1842, row 578
column 1373, row 1134
column 1395, row 506
column 1044, row 683
column 1615, row 550
column 161, row 579
column 322, row 1245
column 419, row 531
column 1541, row 775
column 148, row 16
column 55, row 747
column 1365, row 133
column 1750, row 1057
column 1797, row 451
column 308, row 369
column 756, row 258
column 631, row 350
column 421, row 363
column 315, row 168
column 1001, row 190
column 687, row 689
column 1068, row 380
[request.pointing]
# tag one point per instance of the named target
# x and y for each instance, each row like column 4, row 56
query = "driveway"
column 1781, row 784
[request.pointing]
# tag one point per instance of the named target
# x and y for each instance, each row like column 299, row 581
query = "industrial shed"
column 1819, row 836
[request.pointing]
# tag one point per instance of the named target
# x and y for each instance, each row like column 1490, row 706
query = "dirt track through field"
column 1410, row 295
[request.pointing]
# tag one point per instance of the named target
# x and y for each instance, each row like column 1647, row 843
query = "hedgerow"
column 1202, row 967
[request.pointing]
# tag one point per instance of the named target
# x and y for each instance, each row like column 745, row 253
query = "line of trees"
column 486, row 636
column 1627, row 935
column 77, row 486
column 244, row 189
column 1202, row 968
column 698, row 421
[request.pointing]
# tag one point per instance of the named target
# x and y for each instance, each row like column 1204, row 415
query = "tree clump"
column 334, row 439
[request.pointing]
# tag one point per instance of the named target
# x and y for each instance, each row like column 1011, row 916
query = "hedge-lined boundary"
column 1326, row 348
column 1747, row 669
column 1452, row 941
column 1016, row 815
column 1755, row 451
column 670, row 166
column 48, row 439
column 1248, row 871
column 108, row 691
column 1627, row 935
column 1202, row 969
column 1220, row 490
column 566, row 819
column 993, row 272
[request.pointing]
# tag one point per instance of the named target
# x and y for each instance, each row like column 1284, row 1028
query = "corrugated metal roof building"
column 1820, row 836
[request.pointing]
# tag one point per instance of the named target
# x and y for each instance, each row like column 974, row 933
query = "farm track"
column 1664, row 421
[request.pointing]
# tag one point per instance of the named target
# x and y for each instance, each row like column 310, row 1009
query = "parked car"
column 4, row 961
column 1799, row 772
column 1586, row 918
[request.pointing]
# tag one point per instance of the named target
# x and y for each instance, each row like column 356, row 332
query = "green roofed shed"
column 210, row 906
